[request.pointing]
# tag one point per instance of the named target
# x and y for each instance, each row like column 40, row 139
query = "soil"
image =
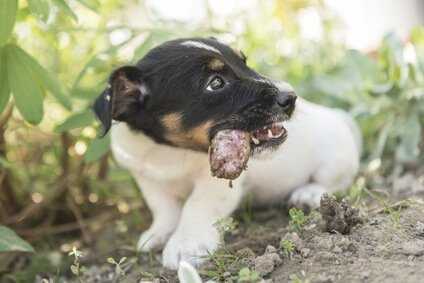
column 387, row 247
column 379, row 242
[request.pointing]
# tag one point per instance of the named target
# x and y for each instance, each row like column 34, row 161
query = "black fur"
column 174, row 78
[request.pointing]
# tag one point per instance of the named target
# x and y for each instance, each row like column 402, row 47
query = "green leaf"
column 408, row 149
column 40, row 8
column 187, row 274
column 97, row 148
column 26, row 91
column 91, row 4
column 78, row 120
column 64, row 7
column 4, row 86
column 46, row 80
column 10, row 242
column 8, row 10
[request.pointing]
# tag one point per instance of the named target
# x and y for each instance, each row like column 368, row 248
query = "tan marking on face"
column 216, row 64
column 172, row 122
column 196, row 138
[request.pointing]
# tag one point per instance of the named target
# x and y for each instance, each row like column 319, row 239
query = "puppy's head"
column 184, row 91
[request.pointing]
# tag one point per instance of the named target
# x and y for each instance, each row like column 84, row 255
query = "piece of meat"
column 229, row 153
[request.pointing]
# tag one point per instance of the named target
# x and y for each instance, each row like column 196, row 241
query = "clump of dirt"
column 229, row 153
column 266, row 263
column 338, row 216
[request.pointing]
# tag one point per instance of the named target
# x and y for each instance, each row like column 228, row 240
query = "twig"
column 34, row 233
column 103, row 168
column 80, row 219
column 35, row 207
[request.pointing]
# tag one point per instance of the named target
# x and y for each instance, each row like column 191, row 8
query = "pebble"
column 414, row 247
column 419, row 228
column 305, row 252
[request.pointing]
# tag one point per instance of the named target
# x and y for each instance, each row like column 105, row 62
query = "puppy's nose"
column 287, row 100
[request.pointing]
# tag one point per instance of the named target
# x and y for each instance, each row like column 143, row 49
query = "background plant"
column 57, row 178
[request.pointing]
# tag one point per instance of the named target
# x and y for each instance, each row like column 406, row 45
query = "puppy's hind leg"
column 166, row 209
column 308, row 196
column 329, row 179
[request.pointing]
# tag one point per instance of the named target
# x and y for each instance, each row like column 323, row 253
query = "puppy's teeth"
column 255, row 140
column 270, row 134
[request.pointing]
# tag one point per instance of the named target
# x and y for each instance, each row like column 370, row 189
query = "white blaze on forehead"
column 202, row 45
column 283, row 86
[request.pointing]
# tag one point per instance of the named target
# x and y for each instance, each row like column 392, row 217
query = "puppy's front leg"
column 196, row 235
column 166, row 209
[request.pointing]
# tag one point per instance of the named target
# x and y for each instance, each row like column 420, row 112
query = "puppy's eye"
column 215, row 83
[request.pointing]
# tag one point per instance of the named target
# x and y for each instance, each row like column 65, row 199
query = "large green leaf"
column 8, row 10
column 78, row 120
column 4, row 85
column 45, row 79
column 10, row 242
column 97, row 149
column 64, row 7
column 408, row 149
column 40, row 8
column 26, row 91
column 91, row 4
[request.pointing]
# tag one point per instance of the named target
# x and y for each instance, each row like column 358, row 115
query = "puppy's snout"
column 287, row 101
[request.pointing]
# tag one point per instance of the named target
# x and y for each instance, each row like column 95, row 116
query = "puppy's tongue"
column 229, row 153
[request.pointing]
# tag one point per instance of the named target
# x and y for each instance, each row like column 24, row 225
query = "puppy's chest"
column 143, row 156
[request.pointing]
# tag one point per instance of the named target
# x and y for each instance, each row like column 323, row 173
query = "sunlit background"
column 365, row 56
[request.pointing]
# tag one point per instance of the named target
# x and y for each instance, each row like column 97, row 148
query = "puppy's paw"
column 153, row 239
column 307, row 197
column 189, row 247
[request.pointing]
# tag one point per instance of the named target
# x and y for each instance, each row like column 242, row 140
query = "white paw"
column 153, row 239
column 307, row 197
column 193, row 248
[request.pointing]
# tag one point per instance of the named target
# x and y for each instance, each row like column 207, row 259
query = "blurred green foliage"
column 56, row 55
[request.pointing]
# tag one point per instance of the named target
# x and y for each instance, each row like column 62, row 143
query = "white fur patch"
column 198, row 44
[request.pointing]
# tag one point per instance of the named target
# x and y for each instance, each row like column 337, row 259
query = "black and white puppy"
column 173, row 102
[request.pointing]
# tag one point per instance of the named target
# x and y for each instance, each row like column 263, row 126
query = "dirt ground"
column 386, row 246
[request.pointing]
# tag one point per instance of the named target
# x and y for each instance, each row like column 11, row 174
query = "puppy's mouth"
column 230, row 149
column 271, row 134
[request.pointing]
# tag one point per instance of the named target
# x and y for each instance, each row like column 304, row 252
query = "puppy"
column 173, row 102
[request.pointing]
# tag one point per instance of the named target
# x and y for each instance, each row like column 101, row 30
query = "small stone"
column 419, row 228
column 374, row 222
column 414, row 247
column 270, row 249
column 324, row 279
column 226, row 274
column 337, row 250
column 365, row 275
column 305, row 252
column 245, row 253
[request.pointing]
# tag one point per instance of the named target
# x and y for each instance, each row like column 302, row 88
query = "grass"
column 287, row 247
column 297, row 219
column 247, row 275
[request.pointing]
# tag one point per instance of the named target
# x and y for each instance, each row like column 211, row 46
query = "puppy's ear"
column 124, row 97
